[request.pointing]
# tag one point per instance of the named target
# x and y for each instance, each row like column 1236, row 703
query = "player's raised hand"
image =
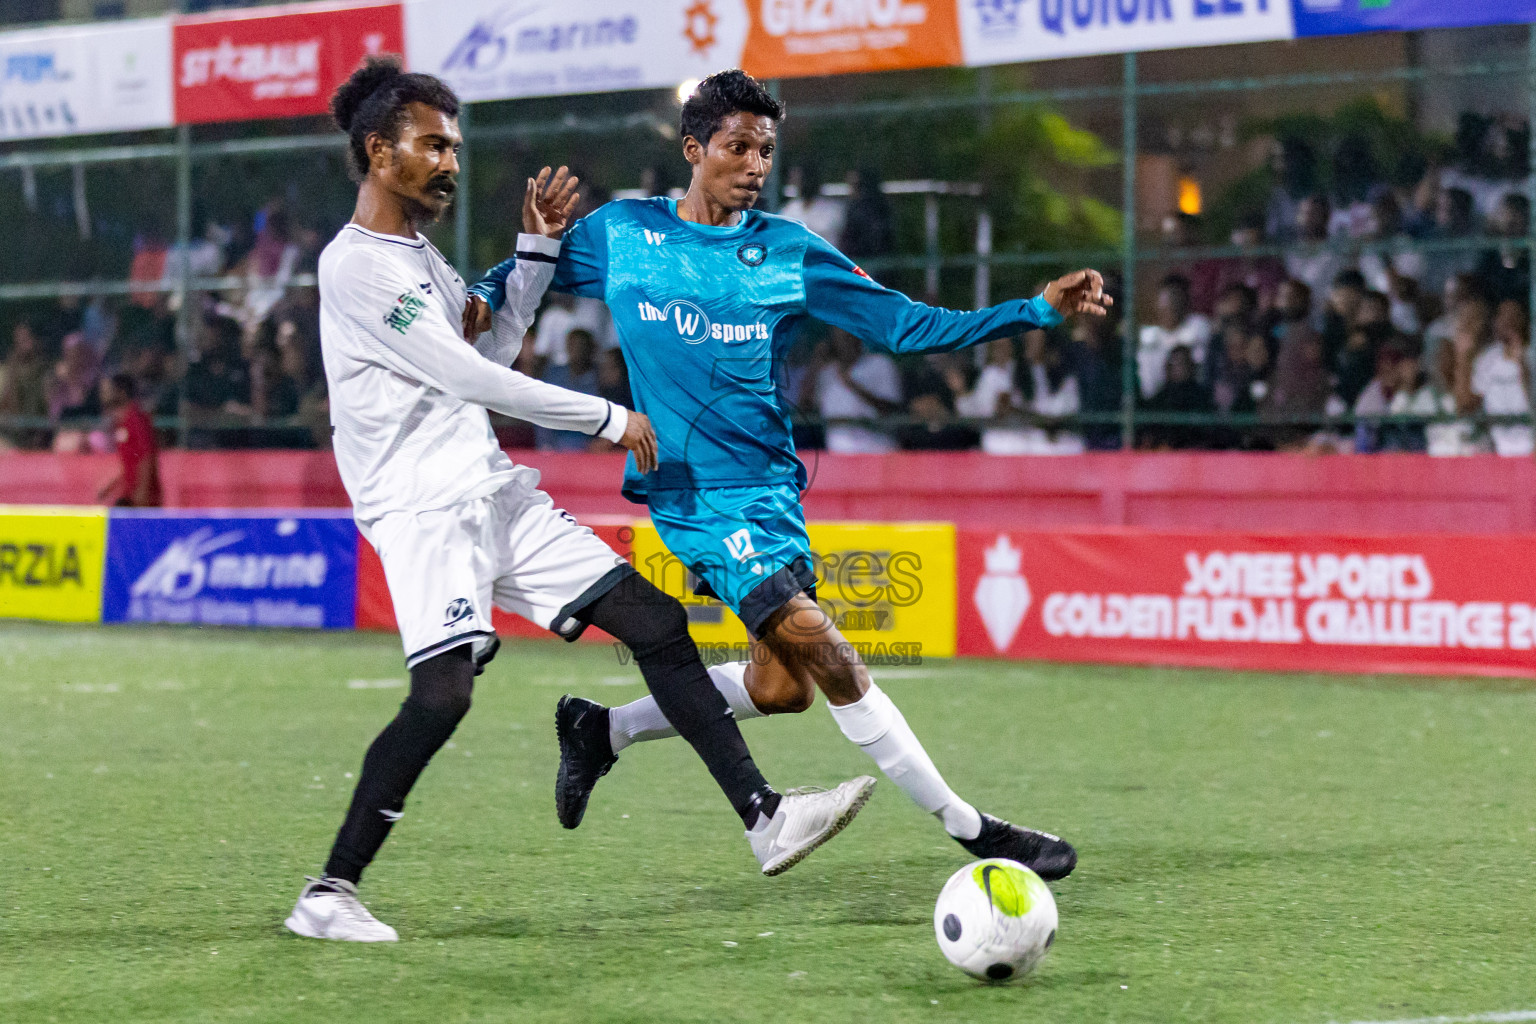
column 477, row 318
column 640, row 439
column 1081, row 291
column 549, row 201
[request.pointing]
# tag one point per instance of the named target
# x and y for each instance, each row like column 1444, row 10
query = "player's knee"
column 443, row 686
column 643, row 618
column 790, row 697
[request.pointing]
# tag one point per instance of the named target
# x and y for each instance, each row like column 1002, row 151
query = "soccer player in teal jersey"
column 706, row 294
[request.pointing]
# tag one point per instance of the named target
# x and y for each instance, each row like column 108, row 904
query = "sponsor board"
column 91, row 78
column 801, row 38
column 51, row 562
column 888, row 587
column 1011, row 31
column 255, row 569
column 1375, row 603
column 499, row 49
column 1338, row 17
column 277, row 62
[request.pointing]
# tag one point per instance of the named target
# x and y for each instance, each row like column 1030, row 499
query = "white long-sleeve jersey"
column 408, row 395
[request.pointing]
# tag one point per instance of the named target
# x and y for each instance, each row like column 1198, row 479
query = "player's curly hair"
column 719, row 96
column 373, row 101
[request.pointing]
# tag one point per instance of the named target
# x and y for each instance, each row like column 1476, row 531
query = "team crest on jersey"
column 404, row 312
column 752, row 254
column 458, row 609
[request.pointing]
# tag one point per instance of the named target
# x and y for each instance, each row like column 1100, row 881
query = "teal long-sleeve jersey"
column 702, row 313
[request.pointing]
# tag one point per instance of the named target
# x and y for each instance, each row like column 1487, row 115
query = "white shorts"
column 513, row 549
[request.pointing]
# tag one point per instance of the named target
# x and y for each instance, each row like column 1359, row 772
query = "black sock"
column 440, row 693
column 655, row 628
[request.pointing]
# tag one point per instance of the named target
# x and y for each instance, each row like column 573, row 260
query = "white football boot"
column 806, row 818
column 336, row 915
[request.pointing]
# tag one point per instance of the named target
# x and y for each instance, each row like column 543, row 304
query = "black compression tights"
column 439, row 698
column 655, row 629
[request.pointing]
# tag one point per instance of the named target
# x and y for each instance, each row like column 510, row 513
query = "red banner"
column 1421, row 603
column 376, row 611
column 232, row 67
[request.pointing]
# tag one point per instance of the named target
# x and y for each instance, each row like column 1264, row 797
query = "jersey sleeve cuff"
column 538, row 248
column 1042, row 312
column 617, row 423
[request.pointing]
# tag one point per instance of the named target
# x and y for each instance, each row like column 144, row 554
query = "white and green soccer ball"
column 995, row 920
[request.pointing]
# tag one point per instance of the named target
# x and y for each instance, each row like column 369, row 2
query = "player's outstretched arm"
column 549, row 201
column 407, row 332
column 839, row 293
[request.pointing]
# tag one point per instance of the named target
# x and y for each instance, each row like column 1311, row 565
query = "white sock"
column 877, row 726
column 641, row 720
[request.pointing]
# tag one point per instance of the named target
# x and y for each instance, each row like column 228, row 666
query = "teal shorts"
column 747, row 546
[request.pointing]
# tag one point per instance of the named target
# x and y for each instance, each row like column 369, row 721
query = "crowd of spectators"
column 1379, row 318
column 250, row 375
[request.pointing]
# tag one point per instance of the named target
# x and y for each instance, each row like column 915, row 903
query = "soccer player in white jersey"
column 460, row 528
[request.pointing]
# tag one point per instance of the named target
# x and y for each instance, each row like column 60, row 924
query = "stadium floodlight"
column 686, row 88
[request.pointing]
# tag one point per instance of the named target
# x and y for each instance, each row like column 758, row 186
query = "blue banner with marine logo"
column 278, row 569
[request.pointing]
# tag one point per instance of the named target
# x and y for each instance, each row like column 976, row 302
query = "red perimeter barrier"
column 1421, row 603
column 1196, row 490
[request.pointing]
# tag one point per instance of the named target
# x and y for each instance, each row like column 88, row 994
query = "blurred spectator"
column 1299, row 386
column 25, row 388
column 1399, row 387
column 1316, row 268
column 577, row 373
column 216, row 390
column 1024, row 399
column 613, row 378
column 930, row 391
column 824, row 215
column 148, row 268
column 1505, row 272
column 1181, row 393
column 269, row 265
column 72, row 387
column 1095, row 358
column 1355, row 364
column 1210, row 279
column 1394, row 270
column 869, row 226
column 1293, row 164
column 1175, row 325
column 1458, row 289
column 1345, row 294
column 1453, row 222
column 1495, row 381
column 563, row 314
column 137, row 481
column 857, row 385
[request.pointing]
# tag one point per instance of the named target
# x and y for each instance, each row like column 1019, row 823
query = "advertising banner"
column 801, row 38
column 244, row 568
column 1338, row 17
column 499, row 49
column 1011, row 31
column 1420, row 603
column 889, row 587
column 276, row 62
column 51, row 562
column 90, row 78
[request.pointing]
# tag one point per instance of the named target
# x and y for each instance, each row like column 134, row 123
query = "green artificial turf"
column 1254, row 848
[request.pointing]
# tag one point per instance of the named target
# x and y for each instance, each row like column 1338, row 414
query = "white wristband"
column 618, row 422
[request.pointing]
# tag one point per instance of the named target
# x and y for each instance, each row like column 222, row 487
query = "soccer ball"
column 995, row 920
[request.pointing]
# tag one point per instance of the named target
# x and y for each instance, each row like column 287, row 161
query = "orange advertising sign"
column 800, row 38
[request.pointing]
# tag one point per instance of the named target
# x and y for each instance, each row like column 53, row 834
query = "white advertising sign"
column 94, row 78
column 499, row 49
column 1011, row 31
